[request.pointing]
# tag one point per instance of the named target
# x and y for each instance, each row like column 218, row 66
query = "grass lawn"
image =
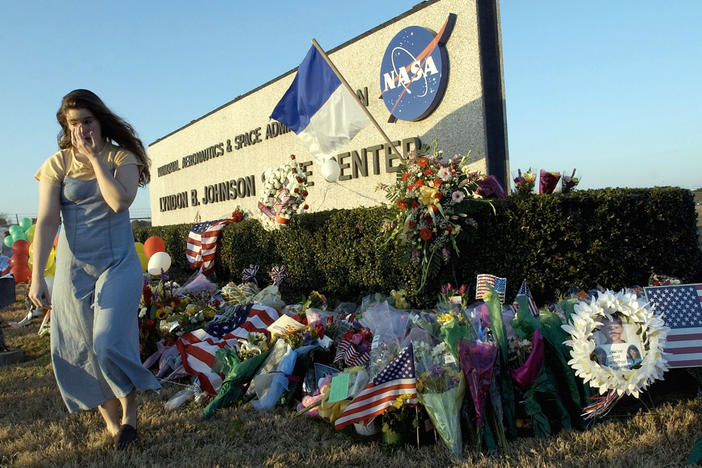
column 36, row 429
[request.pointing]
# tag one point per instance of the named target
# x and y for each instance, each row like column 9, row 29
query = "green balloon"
column 9, row 241
column 25, row 223
column 15, row 229
column 21, row 235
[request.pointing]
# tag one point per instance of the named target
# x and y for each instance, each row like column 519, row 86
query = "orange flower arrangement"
column 428, row 195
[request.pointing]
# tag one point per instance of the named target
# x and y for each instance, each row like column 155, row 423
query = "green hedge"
column 611, row 237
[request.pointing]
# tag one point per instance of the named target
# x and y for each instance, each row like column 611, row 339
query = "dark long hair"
column 112, row 126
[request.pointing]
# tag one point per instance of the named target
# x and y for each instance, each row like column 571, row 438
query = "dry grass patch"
column 36, row 430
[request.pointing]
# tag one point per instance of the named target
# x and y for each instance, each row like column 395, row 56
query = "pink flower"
column 458, row 196
column 444, row 173
column 445, row 253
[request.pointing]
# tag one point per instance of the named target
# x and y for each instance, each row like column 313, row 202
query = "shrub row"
column 612, row 237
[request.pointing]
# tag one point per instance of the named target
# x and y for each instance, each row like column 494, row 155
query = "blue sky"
column 608, row 87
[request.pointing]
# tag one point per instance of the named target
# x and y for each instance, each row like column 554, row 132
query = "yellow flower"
column 444, row 318
column 209, row 313
column 400, row 301
column 162, row 313
column 400, row 401
column 426, row 196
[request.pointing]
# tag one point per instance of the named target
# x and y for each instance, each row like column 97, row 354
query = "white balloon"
column 331, row 170
column 158, row 261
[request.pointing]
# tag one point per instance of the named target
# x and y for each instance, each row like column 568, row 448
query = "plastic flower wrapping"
column 548, row 181
column 427, row 196
column 440, row 388
column 490, row 187
column 283, row 194
column 238, row 364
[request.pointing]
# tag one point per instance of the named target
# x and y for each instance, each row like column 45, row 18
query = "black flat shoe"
column 124, row 438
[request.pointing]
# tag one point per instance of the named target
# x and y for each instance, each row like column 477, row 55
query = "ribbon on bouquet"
column 277, row 218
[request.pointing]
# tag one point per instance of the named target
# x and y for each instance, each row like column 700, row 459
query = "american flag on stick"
column 198, row 348
column 485, row 280
column 525, row 291
column 681, row 307
column 202, row 243
column 398, row 378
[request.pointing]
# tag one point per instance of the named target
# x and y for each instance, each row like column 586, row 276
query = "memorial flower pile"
column 477, row 372
column 427, row 196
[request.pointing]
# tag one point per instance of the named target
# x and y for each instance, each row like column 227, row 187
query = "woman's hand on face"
column 39, row 294
column 86, row 147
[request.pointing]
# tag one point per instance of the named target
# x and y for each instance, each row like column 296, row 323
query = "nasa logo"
column 414, row 71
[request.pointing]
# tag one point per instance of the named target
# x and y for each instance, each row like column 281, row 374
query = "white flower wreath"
column 283, row 194
column 585, row 321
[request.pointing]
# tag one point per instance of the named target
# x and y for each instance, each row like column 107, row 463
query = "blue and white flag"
column 321, row 111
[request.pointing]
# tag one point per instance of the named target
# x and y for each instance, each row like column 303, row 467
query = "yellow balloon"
column 139, row 247
column 143, row 259
column 50, row 269
column 30, row 233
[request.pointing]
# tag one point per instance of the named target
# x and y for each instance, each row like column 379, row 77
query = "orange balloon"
column 19, row 259
column 20, row 246
column 152, row 245
column 22, row 273
column 55, row 240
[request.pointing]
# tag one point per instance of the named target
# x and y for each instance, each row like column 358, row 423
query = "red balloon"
column 152, row 245
column 22, row 273
column 20, row 246
column 19, row 259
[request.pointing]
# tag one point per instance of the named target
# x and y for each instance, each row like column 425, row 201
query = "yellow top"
column 64, row 164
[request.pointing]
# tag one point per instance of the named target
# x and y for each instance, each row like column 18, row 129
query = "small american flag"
column 525, row 291
column 398, row 378
column 347, row 353
column 202, row 243
column 198, row 348
column 485, row 280
column 681, row 307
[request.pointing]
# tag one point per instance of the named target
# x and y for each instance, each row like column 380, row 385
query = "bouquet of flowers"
column 478, row 362
column 283, row 194
column 451, row 298
column 238, row 365
column 440, row 389
column 158, row 301
column 548, row 181
column 568, row 183
column 427, row 195
column 524, row 183
column 399, row 419
column 190, row 312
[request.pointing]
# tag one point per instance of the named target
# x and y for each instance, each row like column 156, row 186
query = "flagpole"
column 350, row 90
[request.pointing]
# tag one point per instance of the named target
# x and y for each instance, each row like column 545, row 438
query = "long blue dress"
column 95, row 299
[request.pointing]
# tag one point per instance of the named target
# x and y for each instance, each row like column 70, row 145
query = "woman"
column 633, row 356
column 91, row 183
